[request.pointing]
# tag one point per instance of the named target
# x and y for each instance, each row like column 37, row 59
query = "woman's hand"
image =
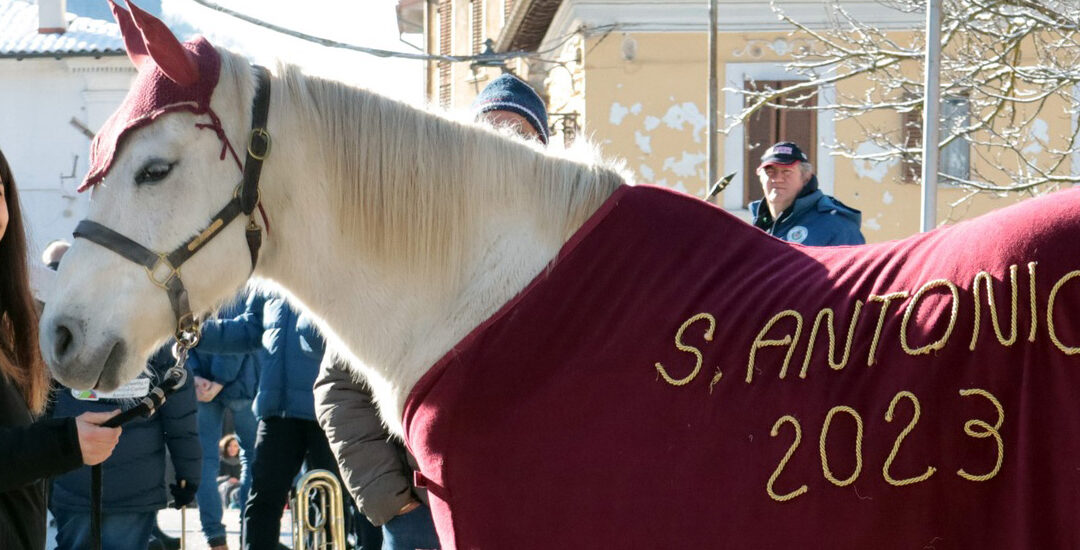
column 96, row 442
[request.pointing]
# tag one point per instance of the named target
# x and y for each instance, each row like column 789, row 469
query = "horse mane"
column 407, row 184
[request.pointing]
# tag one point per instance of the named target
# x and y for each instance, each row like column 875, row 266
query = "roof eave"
column 410, row 16
column 528, row 23
column 18, row 56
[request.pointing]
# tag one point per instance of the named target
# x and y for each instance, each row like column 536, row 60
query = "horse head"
column 161, row 170
column 390, row 225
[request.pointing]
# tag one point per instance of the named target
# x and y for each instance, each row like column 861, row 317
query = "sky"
column 368, row 23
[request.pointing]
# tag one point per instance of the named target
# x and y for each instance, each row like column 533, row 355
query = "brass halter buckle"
column 263, row 138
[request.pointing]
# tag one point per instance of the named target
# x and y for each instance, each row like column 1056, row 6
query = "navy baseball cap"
column 509, row 93
column 783, row 153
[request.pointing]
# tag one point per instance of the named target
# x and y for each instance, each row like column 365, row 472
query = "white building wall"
column 48, row 154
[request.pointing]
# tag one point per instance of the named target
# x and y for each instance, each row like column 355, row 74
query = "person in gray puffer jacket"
column 795, row 209
column 376, row 468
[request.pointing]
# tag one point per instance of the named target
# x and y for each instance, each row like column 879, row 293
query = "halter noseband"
column 164, row 268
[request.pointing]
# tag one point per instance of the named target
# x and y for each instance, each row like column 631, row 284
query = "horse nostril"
column 62, row 341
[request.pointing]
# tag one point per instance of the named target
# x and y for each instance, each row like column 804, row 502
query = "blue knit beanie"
column 509, row 93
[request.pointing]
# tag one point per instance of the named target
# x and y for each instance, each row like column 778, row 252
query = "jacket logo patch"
column 797, row 234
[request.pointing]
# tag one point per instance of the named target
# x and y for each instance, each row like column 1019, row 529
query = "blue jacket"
column 814, row 219
column 133, row 478
column 238, row 374
column 290, row 352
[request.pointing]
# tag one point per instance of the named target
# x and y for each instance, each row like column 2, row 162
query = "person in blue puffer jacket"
column 133, row 478
column 223, row 382
column 290, row 350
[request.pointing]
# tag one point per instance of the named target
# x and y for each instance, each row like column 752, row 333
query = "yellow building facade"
column 632, row 76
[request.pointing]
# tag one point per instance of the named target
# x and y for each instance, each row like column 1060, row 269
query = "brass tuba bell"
column 318, row 512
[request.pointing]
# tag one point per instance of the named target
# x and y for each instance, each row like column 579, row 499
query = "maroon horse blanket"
column 678, row 379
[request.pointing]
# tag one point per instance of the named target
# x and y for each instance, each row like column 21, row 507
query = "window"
column 955, row 158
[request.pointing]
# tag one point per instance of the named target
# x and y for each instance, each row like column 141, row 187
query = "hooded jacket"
column 134, row 475
column 238, row 374
column 290, row 349
column 814, row 219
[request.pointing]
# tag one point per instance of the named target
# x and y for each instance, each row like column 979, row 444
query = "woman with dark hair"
column 31, row 449
column 229, row 471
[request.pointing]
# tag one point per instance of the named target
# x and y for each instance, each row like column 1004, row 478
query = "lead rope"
column 187, row 336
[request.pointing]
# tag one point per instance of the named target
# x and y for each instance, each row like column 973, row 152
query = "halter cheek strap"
column 164, row 268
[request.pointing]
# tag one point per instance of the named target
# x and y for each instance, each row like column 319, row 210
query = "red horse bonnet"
column 173, row 76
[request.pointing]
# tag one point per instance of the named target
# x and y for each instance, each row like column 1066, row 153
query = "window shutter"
column 956, row 156
column 446, row 13
column 760, row 134
column 770, row 125
column 911, row 163
column 477, row 26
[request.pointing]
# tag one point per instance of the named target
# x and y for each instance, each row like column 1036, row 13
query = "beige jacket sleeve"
column 375, row 467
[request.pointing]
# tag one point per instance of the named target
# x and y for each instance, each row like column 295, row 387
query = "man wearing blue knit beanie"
column 509, row 101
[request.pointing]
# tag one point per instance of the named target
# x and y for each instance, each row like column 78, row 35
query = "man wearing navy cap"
column 509, row 101
column 797, row 211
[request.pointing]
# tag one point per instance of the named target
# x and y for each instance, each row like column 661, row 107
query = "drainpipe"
column 712, row 141
column 931, row 108
column 52, row 16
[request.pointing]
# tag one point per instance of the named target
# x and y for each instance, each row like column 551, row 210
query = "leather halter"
column 164, row 268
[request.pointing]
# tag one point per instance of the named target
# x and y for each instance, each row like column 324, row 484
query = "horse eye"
column 153, row 172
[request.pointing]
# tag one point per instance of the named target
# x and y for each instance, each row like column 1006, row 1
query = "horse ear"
column 133, row 41
column 164, row 48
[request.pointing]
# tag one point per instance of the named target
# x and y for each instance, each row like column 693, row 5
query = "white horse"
column 500, row 298
column 399, row 229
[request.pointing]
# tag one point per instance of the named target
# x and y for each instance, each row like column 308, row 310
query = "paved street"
column 170, row 522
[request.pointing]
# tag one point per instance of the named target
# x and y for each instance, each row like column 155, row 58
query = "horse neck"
column 393, row 321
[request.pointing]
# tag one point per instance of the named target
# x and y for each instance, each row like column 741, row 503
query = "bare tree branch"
column 1014, row 65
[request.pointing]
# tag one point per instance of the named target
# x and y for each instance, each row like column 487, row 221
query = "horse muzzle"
column 78, row 363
